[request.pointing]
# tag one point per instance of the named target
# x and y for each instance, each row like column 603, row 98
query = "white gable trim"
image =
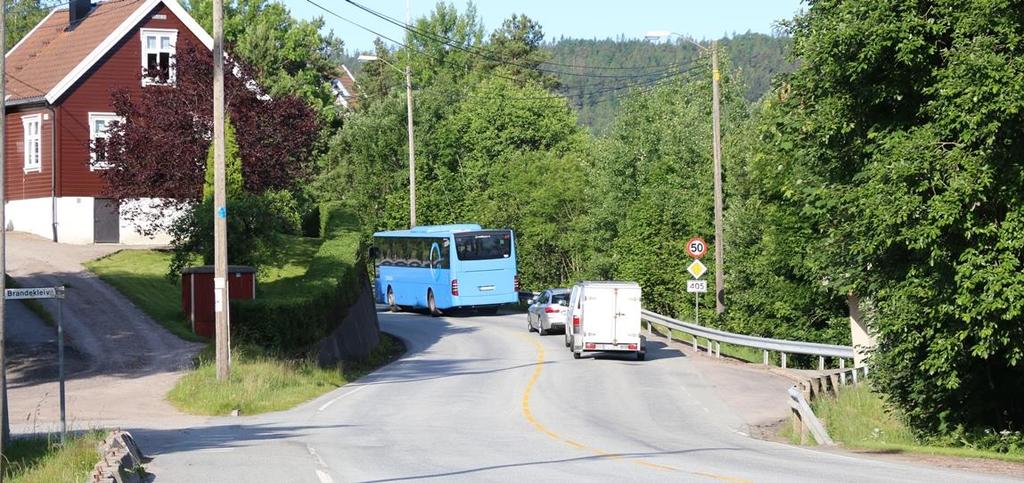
column 30, row 32
column 119, row 33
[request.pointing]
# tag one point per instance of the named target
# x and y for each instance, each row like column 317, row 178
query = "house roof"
column 345, row 87
column 53, row 56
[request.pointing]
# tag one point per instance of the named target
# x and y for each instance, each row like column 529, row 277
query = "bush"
column 256, row 228
column 295, row 319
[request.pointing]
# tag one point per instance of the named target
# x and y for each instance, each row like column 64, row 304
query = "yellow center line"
column 528, row 414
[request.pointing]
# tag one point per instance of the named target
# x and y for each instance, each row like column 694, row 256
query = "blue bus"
column 445, row 266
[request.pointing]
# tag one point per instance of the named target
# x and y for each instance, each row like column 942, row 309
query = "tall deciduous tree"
column 23, row 16
column 159, row 149
column 287, row 55
column 898, row 142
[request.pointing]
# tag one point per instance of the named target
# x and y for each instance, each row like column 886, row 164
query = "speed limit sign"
column 696, row 247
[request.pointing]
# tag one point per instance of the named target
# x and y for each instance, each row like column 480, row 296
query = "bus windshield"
column 484, row 245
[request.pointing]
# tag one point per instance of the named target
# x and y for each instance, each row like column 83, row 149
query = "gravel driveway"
column 121, row 362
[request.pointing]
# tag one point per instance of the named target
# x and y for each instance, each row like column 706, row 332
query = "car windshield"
column 484, row 245
column 560, row 297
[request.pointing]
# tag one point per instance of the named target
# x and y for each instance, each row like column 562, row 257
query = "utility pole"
column 408, row 108
column 220, row 215
column 716, row 128
column 5, row 424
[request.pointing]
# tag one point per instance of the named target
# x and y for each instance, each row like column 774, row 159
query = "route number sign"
column 696, row 247
column 697, row 286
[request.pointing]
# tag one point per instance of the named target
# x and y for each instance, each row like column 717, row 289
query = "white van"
column 604, row 317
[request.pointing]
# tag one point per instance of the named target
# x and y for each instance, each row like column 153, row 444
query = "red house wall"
column 121, row 67
column 22, row 185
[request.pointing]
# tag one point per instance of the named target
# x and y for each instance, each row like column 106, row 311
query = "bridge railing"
column 716, row 337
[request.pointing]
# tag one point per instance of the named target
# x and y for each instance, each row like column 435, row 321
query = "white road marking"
column 324, row 477
column 320, row 461
column 332, row 401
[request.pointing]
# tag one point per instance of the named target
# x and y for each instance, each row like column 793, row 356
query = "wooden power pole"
column 716, row 128
column 408, row 107
column 5, row 425
column 220, row 208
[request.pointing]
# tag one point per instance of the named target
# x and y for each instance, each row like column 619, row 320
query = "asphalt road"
column 480, row 399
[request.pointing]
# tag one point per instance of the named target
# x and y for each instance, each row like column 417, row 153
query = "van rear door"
column 598, row 314
column 627, row 314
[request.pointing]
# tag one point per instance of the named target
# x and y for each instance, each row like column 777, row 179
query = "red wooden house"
column 58, row 102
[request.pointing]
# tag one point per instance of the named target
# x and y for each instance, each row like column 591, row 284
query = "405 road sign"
column 697, row 286
column 696, row 247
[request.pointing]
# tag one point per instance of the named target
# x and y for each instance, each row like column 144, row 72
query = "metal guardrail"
column 806, row 419
column 763, row 343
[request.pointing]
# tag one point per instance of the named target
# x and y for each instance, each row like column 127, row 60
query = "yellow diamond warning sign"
column 697, row 269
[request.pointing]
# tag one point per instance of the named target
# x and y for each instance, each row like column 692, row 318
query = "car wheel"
column 641, row 355
column 529, row 324
column 392, row 306
column 540, row 328
column 567, row 342
column 576, row 355
column 431, row 304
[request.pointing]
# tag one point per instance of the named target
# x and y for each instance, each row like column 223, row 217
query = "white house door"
column 106, row 221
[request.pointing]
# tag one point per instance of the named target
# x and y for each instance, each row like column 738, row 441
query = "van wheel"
column 576, row 355
column 431, row 304
column 641, row 355
column 392, row 306
column 567, row 343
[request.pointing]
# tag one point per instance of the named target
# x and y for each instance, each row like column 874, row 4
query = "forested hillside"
column 613, row 65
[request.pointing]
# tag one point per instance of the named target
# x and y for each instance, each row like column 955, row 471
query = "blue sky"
column 569, row 18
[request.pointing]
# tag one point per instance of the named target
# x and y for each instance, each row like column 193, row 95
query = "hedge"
column 294, row 320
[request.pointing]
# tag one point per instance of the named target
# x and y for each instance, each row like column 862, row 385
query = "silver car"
column 547, row 311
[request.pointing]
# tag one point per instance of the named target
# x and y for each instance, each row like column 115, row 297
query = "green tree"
column 23, row 16
column 256, row 223
column 898, row 143
column 290, row 56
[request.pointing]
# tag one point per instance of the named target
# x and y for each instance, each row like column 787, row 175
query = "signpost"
column 696, row 248
column 49, row 293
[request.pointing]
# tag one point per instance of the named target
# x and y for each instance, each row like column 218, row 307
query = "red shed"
column 197, row 293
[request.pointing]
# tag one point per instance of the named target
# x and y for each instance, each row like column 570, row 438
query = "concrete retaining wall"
column 357, row 335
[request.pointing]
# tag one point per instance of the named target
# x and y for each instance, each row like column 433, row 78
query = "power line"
column 446, row 60
column 487, row 56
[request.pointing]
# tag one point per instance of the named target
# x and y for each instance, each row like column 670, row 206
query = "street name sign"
column 31, row 293
column 697, row 286
column 696, row 247
column 697, row 269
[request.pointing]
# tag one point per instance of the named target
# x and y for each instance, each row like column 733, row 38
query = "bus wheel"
column 431, row 305
column 392, row 306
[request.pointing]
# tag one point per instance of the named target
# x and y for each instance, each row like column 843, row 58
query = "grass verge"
column 857, row 419
column 262, row 382
column 43, row 460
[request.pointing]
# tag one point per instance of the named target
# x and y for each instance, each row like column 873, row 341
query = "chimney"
column 77, row 10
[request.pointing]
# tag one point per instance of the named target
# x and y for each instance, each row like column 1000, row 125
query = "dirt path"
column 120, row 362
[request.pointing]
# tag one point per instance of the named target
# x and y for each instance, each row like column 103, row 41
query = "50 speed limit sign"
column 696, row 247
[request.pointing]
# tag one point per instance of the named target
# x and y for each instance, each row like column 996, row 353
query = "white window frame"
column 159, row 34
column 94, row 134
column 33, row 143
